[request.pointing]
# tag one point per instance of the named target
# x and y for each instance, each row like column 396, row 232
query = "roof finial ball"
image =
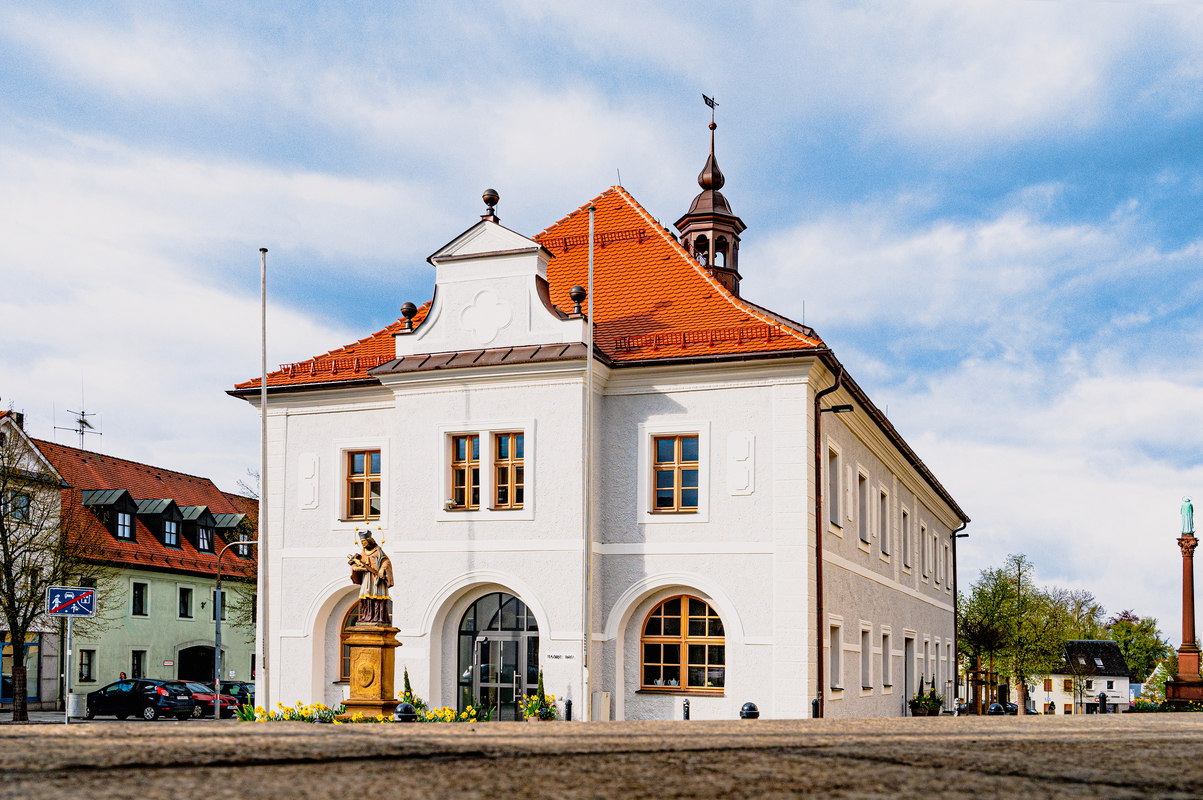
column 408, row 310
column 490, row 197
column 577, row 294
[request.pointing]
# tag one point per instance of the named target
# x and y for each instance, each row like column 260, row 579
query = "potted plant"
column 934, row 703
column 539, row 706
column 918, row 705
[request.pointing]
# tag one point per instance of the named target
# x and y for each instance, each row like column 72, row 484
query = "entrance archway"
column 196, row 664
column 498, row 655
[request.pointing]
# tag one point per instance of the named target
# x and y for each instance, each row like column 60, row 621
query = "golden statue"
column 373, row 571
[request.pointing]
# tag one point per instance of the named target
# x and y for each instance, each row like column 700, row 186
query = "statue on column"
column 373, row 571
column 1188, row 517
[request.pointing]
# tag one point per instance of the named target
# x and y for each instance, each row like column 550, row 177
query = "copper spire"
column 711, row 176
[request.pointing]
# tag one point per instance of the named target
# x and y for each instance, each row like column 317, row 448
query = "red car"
column 203, row 695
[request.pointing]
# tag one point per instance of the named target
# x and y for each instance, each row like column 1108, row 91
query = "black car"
column 241, row 691
column 142, row 697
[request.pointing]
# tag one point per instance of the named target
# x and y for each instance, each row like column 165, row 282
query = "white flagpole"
column 262, row 685
column 587, row 621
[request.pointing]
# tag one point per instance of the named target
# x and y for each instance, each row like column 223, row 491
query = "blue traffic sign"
column 71, row 601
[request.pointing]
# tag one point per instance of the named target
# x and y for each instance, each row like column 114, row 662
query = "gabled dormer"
column 200, row 527
column 116, row 510
column 490, row 291
column 234, row 528
column 164, row 519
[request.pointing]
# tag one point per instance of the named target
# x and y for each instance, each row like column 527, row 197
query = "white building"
column 466, row 436
column 1093, row 667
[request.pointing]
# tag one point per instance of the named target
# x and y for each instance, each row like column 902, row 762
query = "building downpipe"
column 819, row 528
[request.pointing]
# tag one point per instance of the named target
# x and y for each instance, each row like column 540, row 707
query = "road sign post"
column 70, row 602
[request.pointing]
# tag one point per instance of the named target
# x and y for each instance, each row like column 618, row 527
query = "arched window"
column 352, row 619
column 683, row 647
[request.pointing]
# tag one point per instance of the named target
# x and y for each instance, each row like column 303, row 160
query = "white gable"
column 490, row 291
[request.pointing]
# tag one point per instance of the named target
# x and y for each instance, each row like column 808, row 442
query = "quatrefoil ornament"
column 485, row 316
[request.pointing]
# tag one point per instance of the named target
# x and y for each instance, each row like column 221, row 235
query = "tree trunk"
column 1021, row 698
column 20, row 683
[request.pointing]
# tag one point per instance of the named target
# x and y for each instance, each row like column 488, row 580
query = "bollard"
column 685, row 710
column 814, row 708
column 405, row 713
column 568, row 711
column 1102, row 702
column 749, row 711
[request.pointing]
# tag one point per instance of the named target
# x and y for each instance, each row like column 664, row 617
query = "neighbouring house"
column 156, row 534
column 458, row 435
column 1091, row 667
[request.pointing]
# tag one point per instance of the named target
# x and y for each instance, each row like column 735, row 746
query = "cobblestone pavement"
column 1087, row 756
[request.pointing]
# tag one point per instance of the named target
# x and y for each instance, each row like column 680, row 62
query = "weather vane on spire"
column 710, row 101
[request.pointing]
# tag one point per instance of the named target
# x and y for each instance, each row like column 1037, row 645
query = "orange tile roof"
column 84, row 470
column 652, row 301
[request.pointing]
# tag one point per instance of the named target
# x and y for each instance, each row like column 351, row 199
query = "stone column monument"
column 1187, row 685
column 373, row 639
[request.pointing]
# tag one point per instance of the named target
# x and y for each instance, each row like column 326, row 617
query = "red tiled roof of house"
column 83, row 470
column 652, row 301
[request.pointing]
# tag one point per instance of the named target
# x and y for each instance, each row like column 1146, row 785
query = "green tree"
column 1085, row 615
column 1142, row 644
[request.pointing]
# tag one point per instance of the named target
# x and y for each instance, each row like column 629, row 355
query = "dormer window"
column 1098, row 662
column 125, row 526
column 171, row 533
column 204, row 539
column 115, row 509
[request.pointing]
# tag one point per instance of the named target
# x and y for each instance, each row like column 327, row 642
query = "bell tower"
column 710, row 230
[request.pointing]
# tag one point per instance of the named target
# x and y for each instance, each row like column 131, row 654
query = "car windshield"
column 200, row 687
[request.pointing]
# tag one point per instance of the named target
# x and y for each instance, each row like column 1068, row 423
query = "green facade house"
column 157, row 535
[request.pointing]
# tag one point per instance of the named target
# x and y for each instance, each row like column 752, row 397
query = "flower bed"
column 1149, row 707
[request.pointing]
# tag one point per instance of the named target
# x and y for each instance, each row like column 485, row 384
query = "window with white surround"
column 359, row 486
column 938, row 558
column 905, row 524
column 833, row 486
column 883, row 521
column 171, row 533
column 925, row 553
column 885, row 659
column 862, row 506
column 486, row 470
column 947, row 570
column 185, row 602
column 836, row 658
column 125, row 525
column 674, row 472
column 866, row 660
column 140, row 599
column 87, row 666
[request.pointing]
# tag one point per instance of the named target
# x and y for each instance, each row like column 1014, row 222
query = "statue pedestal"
column 1187, row 685
column 372, row 669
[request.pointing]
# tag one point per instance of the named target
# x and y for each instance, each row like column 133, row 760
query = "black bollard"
column 685, row 710
column 568, row 710
column 405, row 713
column 1102, row 702
column 814, row 708
column 749, row 711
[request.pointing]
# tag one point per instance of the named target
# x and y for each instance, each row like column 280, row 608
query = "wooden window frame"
column 171, row 539
column 365, row 480
column 465, row 466
column 88, row 661
column 683, row 640
column 128, row 527
column 677, row 467
column 513, row 485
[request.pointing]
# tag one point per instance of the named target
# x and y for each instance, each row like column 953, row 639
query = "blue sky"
column 991, row 210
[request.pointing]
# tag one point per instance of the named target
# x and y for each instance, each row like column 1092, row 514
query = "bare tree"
column 41, row 545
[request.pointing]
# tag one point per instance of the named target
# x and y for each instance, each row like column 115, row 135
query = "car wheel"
column 197, row 711
column 150, row 713
column 89, row 713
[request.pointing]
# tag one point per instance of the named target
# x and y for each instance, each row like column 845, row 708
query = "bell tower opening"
column 710, row 230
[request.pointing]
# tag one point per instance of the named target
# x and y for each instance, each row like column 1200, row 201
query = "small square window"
column 363, row 485
column 465, row 473
column 675, row 474
column 1110, row 684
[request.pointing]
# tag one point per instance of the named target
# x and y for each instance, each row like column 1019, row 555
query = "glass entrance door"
column 498, row 655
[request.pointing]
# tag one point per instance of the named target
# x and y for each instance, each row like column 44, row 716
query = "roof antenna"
column 82, row 426
column 616, row 169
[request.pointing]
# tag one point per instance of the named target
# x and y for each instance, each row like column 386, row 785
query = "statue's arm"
column 386, row 572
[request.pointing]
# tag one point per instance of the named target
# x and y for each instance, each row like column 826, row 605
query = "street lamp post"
column 217, row 607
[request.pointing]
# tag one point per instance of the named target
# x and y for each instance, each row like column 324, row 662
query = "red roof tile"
column 652, row 301
column 84, row 470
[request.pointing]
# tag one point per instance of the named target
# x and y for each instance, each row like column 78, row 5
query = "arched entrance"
column 497, row 654
column 196, row 664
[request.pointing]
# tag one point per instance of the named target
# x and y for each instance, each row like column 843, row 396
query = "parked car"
column 203, row 695
column 241, row 690
column 146, row 698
